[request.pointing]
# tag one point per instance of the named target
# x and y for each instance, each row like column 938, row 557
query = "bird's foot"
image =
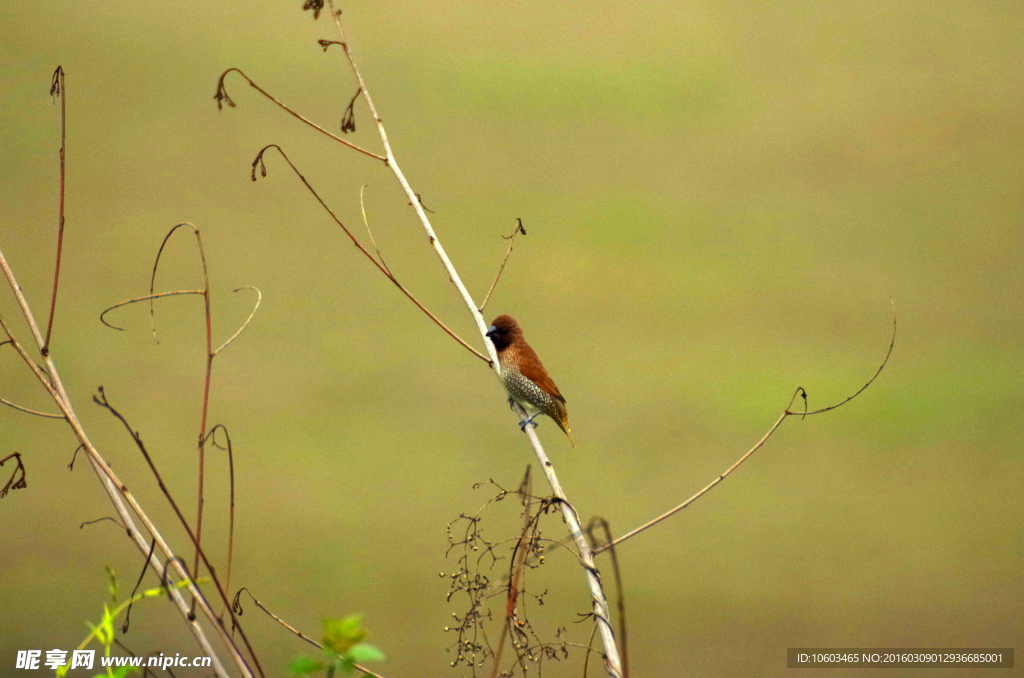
column 524, row 422
column 511, row 403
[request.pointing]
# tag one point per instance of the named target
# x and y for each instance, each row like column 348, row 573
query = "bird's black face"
column 500, row 336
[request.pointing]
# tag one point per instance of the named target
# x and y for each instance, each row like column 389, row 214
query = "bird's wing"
column 533, row 370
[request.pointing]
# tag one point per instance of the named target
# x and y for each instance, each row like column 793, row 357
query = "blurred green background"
column 720, row 199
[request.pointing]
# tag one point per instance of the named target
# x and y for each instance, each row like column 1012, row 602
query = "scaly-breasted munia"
column 524, row 377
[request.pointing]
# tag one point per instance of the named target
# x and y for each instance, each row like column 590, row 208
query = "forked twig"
column 380, row 266
column 512, row 240
column 259, row 300
column 366, row 222
column 222, row 98
column 786, row 413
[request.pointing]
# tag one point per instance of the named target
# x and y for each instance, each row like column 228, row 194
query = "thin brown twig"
column 237, row 606
column 42, row 376
column 355, row 241
column 121, row 498
column 223, row 98
column 148, row 297
column 366, row 222
column 58, row 88
column 512, row 240
column 206, row 384
column 416, row 204
column 100, row 520
column 4, row 401
column 516, row 567
column 102, row 401
column 231, row 515
column 259, row 300
column 786, row 413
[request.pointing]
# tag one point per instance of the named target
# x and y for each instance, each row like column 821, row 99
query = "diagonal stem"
column 118, row 491
column 600, row 605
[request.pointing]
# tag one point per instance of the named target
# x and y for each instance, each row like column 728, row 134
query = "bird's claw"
column 530, row 420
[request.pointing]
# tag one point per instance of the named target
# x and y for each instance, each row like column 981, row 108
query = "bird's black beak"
column 491, row 331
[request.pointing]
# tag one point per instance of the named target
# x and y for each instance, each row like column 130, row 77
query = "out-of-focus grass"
column 720, row 200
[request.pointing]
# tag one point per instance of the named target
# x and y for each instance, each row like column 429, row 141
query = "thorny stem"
column 611, row 655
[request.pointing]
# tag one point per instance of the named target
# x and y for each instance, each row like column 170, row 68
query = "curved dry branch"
column 222, row 98
column 101, row 400
column 4, row 401
column 259, row 300
column 123, row 500
column 206, row 385
column 788, row 412
column 212, row 435
column 383, row 269
column 156, row 264
column 148, row 297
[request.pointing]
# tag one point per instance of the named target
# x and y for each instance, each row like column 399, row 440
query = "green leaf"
column 123, row 671
column 304, row 666
column 364, row 652
column 342, row 634
column 343, row 665
column 107, row 627
column 112, row 585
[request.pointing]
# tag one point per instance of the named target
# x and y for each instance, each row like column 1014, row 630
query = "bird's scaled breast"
column 525, row 391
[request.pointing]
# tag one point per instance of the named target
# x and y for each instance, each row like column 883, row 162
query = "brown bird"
column 524, row 377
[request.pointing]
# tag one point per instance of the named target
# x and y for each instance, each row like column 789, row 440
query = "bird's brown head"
column 504, row 331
